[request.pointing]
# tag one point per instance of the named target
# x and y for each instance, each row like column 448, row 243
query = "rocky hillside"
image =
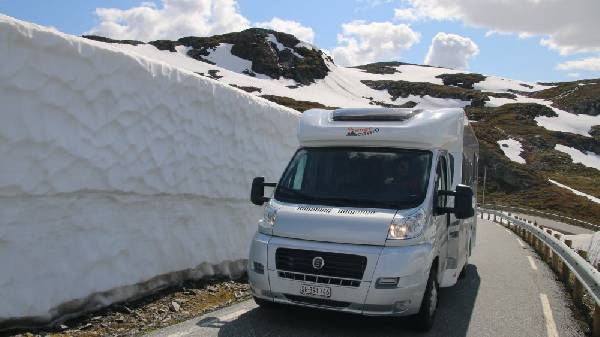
column 540, row 142
column 272, row 53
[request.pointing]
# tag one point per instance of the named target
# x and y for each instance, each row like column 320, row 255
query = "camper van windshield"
column 355, row 177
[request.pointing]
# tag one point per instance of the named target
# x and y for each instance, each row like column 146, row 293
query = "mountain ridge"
column 546, row 118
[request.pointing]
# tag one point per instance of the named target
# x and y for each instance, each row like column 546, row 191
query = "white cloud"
column 565, row 25
column 363, row 42
column 587, row 64
column 291, row 27
column 451, row 51
column 172, row 20
column 404, row 14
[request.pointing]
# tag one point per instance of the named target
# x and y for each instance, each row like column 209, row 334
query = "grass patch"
column 296, row 105
column 527, row 185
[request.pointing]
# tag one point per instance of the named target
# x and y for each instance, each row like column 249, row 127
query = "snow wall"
column 119, row 174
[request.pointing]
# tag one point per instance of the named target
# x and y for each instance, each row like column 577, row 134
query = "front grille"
column 336, row 264
column 319, row 279
column 317, row 301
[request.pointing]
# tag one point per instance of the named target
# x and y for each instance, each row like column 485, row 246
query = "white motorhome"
column 372, row 215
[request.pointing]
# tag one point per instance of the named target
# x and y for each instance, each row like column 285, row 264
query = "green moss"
column 404, row 89
column 296, row 105
column 527, row 185
column 466, row 81
column 580, row 97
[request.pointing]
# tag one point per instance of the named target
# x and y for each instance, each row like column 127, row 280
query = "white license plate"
column 315, row 291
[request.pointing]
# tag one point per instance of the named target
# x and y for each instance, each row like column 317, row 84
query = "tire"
column 426, row 316
column 463, row 271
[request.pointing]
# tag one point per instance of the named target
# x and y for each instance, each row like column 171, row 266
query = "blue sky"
column 500, row 54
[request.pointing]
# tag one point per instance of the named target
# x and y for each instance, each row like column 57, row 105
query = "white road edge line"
column 550, row 323
column 234, row 315
column 520, row 242
column 532, row 262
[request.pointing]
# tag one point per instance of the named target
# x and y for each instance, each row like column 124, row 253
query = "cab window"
column 441, row 181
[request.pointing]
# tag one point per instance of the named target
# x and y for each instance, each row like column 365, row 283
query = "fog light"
column 401, row 306
column 387, row 282
column 258, row 267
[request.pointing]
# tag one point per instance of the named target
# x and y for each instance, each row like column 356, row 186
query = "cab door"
column 441, row 219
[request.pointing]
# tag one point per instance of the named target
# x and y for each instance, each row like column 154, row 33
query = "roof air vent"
column 374, row 115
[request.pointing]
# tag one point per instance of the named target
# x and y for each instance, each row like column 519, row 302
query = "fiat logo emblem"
column 318, row 263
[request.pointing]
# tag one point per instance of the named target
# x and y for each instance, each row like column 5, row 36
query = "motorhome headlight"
column 407, row 226
column 270, row 215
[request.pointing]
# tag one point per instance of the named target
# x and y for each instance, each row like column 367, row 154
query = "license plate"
column 315, row 291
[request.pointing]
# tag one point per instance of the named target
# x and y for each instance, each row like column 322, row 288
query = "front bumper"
column 410, row 264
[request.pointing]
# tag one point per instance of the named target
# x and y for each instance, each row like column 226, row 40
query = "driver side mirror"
column 257, row 193
column 463, row 202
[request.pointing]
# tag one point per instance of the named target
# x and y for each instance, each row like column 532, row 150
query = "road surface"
column 508, row 291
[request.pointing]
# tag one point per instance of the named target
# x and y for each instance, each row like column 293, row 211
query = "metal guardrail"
column 549, row 215
column 561, row 258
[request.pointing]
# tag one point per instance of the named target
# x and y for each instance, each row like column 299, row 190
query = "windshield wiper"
column 339, row 201
column 362, row 202
column 295, row 194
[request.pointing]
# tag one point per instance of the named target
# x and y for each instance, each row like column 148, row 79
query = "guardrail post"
column 578, row 292
column 582, row 253
column 569, row 243
column 596, row 322
column 547, row 253
column 488, row 215
column 481, row 215
column 555, row 262
column 565, row 273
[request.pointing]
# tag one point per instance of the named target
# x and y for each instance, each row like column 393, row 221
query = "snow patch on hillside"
column 280, row 47
column 589, row 159
column 592, row 198
column 499, row 84
column 568, row 122
column 512, row 148
column 223, row 57
column 117, row 168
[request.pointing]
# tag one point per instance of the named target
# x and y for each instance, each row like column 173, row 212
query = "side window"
column 295, row 176
column 475, row 169
column 451, row 177
column 467, row 169
column 441, row 182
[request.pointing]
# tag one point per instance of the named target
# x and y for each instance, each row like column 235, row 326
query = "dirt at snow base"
column 165, row 308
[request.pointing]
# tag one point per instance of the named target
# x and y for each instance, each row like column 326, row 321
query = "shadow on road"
column 453, row 318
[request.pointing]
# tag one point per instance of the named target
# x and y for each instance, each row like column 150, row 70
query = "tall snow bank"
column 119, row 171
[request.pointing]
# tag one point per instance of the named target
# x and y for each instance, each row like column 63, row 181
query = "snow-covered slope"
column 342, row 87
column 119, row 169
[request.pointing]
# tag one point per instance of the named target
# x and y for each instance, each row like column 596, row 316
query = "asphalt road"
column 508, row 291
